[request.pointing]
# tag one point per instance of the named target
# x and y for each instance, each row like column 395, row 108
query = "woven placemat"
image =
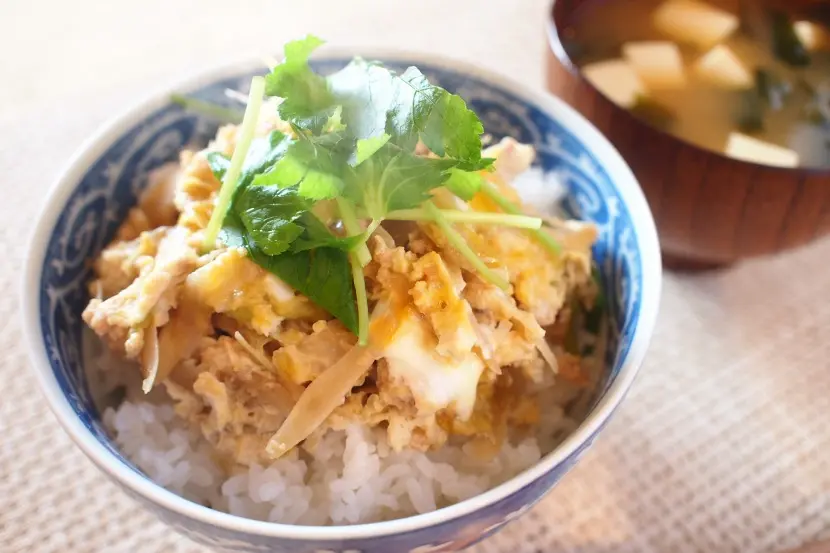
column 722, row 446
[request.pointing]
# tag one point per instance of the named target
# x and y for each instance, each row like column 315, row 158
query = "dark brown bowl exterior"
column 710, row 210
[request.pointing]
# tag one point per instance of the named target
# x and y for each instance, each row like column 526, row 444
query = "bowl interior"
column 109, row 185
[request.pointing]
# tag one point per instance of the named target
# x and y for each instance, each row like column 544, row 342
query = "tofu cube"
column 616, row 79
column 747, row 148
column 721, row 67
column 659, row 64
column 694, row 22
column 811, row 35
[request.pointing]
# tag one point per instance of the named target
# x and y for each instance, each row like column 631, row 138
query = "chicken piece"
column 421, row 435
column 541, row 281
column 235, row 402
column 436, row 293
column 404, row 429
column 135, row 223
column 303, row 361
column 508, row 333
column 157, row 200
column 120, row 318
column 233, row 284
column 512, row 157
column 576, row 238
column 185, row 330
column 116, row 267
column 155, row 204
column 195, row 190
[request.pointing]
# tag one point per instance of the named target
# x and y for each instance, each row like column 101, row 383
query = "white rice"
column 351, row 477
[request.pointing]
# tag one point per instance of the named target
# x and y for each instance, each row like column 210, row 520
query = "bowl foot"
column 684, row 264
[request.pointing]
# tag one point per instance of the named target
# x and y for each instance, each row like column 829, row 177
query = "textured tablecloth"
column 723, row 444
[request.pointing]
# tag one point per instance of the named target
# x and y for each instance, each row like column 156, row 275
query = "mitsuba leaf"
column 269, row 215
column 312, row 164
column 315, row 235
column 444, row 123
column 219, row 164
column 232, row 234
column 366, row 147
column 323, row 275
column 371, row 102
column 307, row 100
column 263, row 154
column 392, row 179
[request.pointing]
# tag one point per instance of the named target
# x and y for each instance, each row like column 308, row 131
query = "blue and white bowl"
column 105, row 177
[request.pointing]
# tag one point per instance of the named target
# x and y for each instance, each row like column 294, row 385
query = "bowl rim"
column 623, row 180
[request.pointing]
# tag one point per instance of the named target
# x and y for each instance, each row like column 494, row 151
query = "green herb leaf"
column 366, row 147
column 376, row 102
column 233, row 233
column 219, row 164
column 464, row 184
column 323, row 275
column 391, row 180
column 316, row 235
column 451, row 128
column 311, row 164
column 270, row 215
column 307, row 100
column 263, row 154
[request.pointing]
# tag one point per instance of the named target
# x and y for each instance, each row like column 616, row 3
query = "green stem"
column 373, row 226
column 349, row 219
column 475, row 217
column 458, row 242
column 243, row 143
column 227, row 115
column 507, row 206
column 362, row 301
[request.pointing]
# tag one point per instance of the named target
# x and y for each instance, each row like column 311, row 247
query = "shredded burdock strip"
column 320, row 399
column 150, row 356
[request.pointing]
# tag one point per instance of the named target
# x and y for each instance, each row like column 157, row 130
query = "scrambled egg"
column 235, row 347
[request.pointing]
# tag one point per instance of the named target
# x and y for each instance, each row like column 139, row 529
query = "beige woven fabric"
column 722, row 446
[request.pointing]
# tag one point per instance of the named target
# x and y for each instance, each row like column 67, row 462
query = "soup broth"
column 741, row 78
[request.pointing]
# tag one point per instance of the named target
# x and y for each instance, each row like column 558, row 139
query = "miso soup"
column 737, row 77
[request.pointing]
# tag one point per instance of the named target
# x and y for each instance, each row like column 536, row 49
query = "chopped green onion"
column 457, row 241
column 474, row 217
column 506, row 205
column 362, row 300
column 349, row 219
column 243, row 143
column 227, row 115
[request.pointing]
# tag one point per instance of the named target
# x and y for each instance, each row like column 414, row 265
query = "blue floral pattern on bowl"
column 110, row 187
